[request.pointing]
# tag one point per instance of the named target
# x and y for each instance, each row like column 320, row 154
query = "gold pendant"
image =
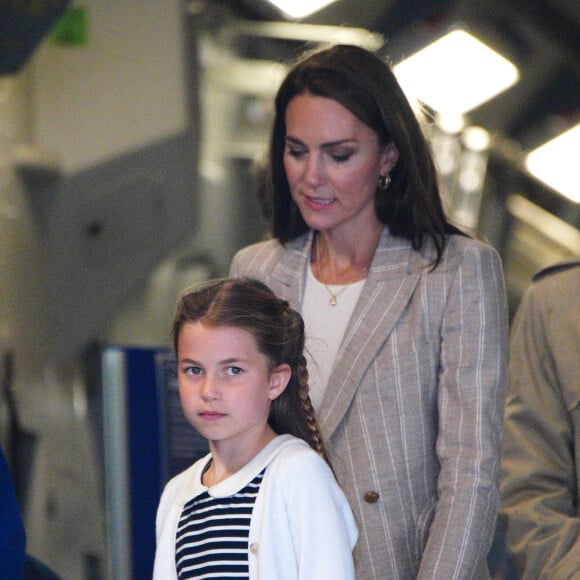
column 333, row 300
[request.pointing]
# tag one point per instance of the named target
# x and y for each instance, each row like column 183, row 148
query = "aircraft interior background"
column 130, row 140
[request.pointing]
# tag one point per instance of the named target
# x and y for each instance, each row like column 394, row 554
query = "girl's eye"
column 192, row 370
column 233, row 371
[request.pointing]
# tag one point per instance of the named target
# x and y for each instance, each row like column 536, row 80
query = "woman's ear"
column 389, row 158
column 279, row 379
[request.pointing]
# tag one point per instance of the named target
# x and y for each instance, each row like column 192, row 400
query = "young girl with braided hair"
column 264, row 503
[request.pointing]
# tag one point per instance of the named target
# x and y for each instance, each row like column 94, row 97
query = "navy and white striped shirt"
column 212, row 535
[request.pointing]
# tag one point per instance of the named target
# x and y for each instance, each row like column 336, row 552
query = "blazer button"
column 371, row 496
column 254, row 548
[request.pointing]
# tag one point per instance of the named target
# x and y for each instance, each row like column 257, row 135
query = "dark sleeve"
column 12, row 536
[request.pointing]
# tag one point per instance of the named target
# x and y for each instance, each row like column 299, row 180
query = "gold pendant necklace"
column 333, row 296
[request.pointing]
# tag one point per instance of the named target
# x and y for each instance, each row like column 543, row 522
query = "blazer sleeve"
column 235, row 266
column 539, row 487
column 472, row 377
column 255, row 260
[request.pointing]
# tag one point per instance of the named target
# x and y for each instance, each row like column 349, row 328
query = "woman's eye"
column 341, row 157
column 191, row 370
column 296, row 153
column 233, row 371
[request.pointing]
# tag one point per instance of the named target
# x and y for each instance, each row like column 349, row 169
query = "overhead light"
column 455, row 74
column 476, row 139
column 300, row 8
column 555, row 162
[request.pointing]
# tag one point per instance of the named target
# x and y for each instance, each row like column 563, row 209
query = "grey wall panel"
column 106, row 228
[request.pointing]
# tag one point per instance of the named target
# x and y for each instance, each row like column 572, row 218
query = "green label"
column 71, row 28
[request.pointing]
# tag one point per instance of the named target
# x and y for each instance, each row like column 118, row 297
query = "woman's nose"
column 314, row 171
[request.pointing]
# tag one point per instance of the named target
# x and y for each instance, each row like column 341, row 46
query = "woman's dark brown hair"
column 365, row 85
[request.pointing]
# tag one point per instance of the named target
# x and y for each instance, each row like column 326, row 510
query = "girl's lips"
column 211, row 415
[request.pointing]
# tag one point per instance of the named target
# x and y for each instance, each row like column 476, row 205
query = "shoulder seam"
column 555, row 268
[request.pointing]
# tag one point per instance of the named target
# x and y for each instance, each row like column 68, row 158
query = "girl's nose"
column 208, row 391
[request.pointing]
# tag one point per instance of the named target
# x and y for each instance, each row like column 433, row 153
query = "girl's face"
column 225, row 385
column 333, row 162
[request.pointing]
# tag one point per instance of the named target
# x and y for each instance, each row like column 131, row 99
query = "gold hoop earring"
column 384, row 182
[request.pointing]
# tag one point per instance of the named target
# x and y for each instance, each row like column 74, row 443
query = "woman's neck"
column 336, row 260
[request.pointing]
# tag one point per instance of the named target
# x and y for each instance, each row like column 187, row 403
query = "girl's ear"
column 279, row 379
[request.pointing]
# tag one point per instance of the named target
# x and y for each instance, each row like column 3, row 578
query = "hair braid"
column 315, row 437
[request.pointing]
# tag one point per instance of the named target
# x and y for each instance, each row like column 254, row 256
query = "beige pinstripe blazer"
column 413, row 409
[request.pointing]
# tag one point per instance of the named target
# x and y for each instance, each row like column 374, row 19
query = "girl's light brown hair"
column 279, row 333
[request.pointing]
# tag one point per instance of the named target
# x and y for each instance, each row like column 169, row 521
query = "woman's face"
column 333, row 162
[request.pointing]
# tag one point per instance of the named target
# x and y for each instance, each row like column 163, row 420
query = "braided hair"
column 279, row 333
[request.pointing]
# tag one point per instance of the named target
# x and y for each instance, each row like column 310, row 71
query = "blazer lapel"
column 393, row 277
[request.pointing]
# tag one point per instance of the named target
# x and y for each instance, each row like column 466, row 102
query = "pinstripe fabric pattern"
column 413, row 408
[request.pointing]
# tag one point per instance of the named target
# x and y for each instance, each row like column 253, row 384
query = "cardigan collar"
column 192, row 485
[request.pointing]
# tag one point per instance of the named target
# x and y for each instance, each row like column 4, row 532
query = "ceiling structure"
column 541, row 37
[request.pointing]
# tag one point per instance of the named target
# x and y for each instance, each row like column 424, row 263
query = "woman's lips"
column 317, row 202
